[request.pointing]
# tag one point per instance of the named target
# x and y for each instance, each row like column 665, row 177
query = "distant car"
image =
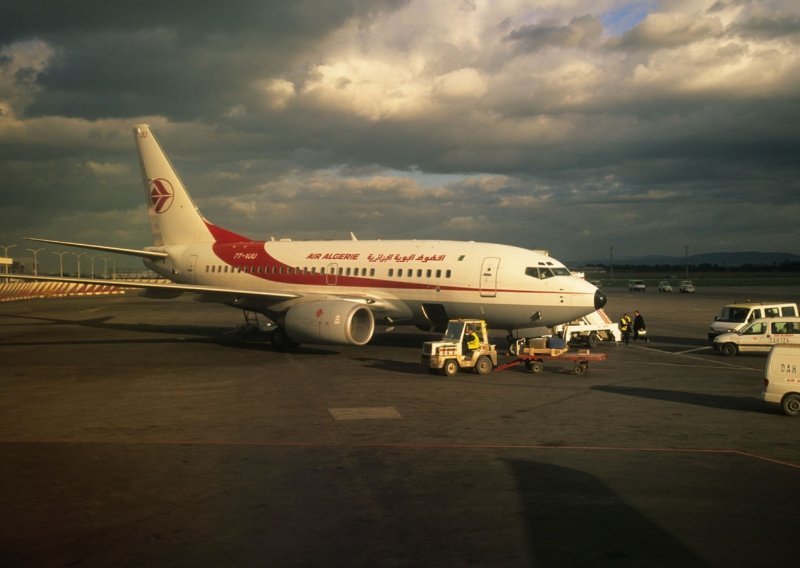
column 687, row 286
column 664, row 286
column 636, row 286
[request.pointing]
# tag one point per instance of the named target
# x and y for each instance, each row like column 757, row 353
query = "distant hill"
column 728, row 259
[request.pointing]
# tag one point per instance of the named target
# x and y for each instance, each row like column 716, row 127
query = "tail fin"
column 174, row 218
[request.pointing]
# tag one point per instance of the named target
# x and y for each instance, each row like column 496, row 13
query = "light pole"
column 686, row 261
column 91, row 258
column 61, row 261
column 36, row 260
column 611, row 260
column 78, row 255
column 5, row 252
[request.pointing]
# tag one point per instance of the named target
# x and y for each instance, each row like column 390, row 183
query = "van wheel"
column 729, row 349
column 791, row 404
column 450, row 368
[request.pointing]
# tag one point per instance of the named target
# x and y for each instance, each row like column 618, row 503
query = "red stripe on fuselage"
column 247, row 256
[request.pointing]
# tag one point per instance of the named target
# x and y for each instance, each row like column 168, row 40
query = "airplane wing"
column 219, row 292
column 132, row 252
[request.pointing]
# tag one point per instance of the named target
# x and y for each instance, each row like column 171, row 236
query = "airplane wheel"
column 281, row 341
column 450, row 368
column 483, row 366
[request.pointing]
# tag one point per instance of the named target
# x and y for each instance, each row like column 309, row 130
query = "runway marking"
column 411, row 446
column 684, row 355
column 365, row 413
column 692, row 350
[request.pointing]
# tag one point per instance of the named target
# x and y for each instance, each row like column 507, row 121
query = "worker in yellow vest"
column 473, row 341
column 625, row 323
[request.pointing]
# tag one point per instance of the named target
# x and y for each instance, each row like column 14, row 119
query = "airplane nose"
column 600, row 300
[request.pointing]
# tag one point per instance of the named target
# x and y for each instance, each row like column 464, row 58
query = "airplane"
column 334, row 292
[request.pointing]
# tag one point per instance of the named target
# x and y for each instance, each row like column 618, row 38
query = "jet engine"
column 330, row 321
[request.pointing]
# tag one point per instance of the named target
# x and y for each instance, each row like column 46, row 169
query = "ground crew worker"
column 625, row 327
column 473, row 341
column 639, row 327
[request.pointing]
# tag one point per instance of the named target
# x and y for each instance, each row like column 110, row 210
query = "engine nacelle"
column 330, row 321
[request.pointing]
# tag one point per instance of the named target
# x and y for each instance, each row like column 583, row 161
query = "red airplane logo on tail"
column 161, row 195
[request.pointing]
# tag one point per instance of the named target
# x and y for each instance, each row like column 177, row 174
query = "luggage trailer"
column 534, row 359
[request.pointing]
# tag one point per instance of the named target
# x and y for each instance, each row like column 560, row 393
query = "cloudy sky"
column 568, row 125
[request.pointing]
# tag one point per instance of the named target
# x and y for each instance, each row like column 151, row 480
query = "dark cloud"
column 762, row 27
column 418, row 119
column 582, row 31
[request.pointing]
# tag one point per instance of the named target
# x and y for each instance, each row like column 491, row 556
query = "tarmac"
column 146, row 432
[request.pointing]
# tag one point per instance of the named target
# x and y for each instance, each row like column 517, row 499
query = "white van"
column 782, row 378
column 760, row 335
column 735, row 316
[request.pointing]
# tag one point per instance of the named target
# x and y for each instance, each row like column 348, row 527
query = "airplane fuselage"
column 407, row 282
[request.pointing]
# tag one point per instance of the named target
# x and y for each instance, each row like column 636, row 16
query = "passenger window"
column 372, row 272
column 771, row 312
column 428, row 273
column 788, row 311
column 419, row 273
column 755, row 329
column 438, row 274
column 779, row 328
column 447, row 274
column 391, row 272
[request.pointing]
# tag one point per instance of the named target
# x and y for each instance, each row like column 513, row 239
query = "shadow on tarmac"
column 559, row 502
column 724, row 402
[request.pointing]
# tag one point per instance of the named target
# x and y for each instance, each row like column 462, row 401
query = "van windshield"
column 737, row 315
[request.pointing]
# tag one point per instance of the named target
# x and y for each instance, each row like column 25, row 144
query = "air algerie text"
column 333, row 256
column 381, row 257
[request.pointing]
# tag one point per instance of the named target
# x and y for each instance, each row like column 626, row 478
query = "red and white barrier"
column 12, row 291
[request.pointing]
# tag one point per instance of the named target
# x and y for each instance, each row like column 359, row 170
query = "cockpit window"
column 542, row 272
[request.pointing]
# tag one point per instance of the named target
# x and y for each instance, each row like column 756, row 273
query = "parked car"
column 734, row 317
column 664, row 286
column 636, row 286
column 687, row 286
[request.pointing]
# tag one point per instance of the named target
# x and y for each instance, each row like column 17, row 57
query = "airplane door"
column 489, row 277
column 190, row 270
column 330, row 274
